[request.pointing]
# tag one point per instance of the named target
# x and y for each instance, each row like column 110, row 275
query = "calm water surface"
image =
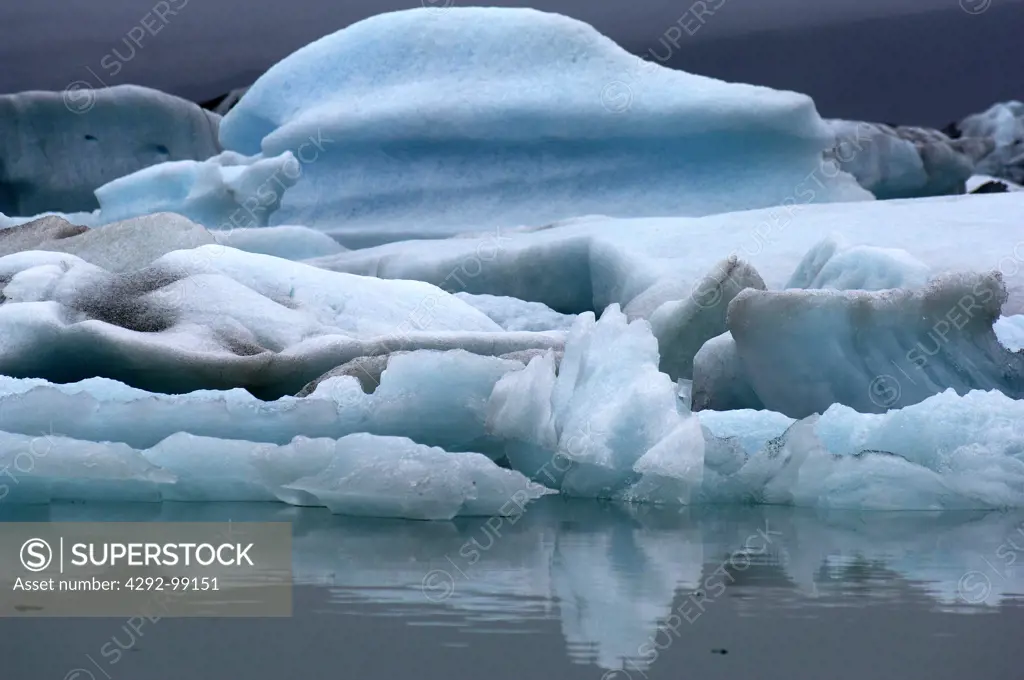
column 583, row 590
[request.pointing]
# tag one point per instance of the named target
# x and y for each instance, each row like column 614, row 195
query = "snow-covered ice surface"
column 59, row 147
column 588, row 264
column 517, row 315
column 291, row 242
column 514, row 116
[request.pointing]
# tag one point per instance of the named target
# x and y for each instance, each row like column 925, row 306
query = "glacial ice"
column 226, row 191
column 215, row 317
column 607, row 425
column 595, row 429
column 59, row 147
column 834, row 264
column 683, row 326
column 360, row 474
column 517, row 315
column 568, row 336
column 133, row 244
column 408, row 402
column 136, row 242
column 1010, row 331
column 291, row 242
column 587, row 264
column 803, row 350
column 1004, row 124
column 905, row 162
column 514, row 116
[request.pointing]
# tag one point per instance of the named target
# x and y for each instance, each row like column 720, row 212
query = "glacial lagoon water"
column 581, row 589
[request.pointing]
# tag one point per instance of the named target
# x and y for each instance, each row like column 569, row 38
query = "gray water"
column 582, row 590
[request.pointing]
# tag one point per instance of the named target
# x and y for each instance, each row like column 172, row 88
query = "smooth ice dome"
column 432, row 123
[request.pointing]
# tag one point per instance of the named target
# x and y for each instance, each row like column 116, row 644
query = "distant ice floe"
column 59, row 147
column 587, row 264
column 1004, row 124
column 906, row 162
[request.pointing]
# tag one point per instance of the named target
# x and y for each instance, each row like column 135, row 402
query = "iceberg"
column 906, row 162
column 59, row 147
column 226, row 191
column 360, row 474
column 608, row 425
column 802, row 351
column 587, row 264
column 406, row 400
column 834, row 264
column 507, row 117
column 613, row 428
column 215, row 318
column 1003, row 123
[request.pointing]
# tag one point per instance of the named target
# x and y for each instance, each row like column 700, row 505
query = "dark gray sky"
column 912, row 61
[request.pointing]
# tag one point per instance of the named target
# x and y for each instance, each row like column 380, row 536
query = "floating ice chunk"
column 55, row 157
column 396, row 477
column 44, row 467
column 226, row 191
column 513, row 314
column 720, row 381
column 683, row 326
column 836, row 265
column 510, row 117
column 215, row 317
column 805, row 350
column 360, row 474
column 608, row 425
column 1004, row 124
column 435, row 398
column 905, row 162
column 586, row 265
